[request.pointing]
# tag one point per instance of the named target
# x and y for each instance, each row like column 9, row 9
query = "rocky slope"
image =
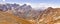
column 24, row 11
column 6, row 18
column 50, row 16
column 14, row 12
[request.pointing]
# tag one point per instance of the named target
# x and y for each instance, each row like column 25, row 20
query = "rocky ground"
column 50, row 16
column 6, row 18
column 25, row 14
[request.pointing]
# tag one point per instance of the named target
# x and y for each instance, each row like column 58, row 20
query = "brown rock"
column 6, row 18
column 50, row 16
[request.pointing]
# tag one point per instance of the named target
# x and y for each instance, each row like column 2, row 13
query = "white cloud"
column 3, row 0
column 44, row 5
column 28, row 3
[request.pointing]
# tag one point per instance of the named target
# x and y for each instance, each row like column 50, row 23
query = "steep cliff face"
column 50, row 16
column 6, row 18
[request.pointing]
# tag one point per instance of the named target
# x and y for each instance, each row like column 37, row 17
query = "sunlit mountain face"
column 24, row 11
column 29, row 12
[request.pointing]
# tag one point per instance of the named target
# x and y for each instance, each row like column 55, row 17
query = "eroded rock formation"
column 50, row 16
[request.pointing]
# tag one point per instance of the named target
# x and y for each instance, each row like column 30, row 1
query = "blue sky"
column 33, row 1
column 36, row 3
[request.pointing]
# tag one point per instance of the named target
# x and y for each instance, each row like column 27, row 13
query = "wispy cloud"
column 3, row 0
column 45, row 5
